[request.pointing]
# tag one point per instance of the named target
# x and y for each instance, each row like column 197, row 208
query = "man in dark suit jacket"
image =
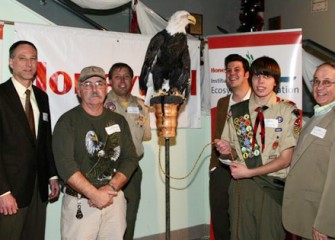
column 237, row 73
column 26, row 160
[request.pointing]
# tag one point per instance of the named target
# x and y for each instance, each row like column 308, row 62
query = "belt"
column 73, row 193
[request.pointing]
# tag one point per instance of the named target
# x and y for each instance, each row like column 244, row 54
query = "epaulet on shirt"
column 297, row 113
column 140, row 100
column 282, row 100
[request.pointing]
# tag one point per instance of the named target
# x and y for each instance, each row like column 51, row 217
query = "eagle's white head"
column 92, row 143
column 178, row 22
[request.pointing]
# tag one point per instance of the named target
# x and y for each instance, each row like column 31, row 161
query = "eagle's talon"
column 161, row 93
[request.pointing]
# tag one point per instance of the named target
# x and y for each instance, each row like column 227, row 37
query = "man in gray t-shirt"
column 95, row 157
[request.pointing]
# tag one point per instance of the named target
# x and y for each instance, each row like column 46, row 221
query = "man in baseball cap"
column 91, row 71
column 95, row 157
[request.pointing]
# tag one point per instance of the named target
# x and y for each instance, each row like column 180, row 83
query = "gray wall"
column 223, row 13
column 113, row 20
column 318, row 27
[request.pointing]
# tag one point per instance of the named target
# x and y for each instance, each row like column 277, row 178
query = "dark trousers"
column 219, row 181
column 132, row 192
column 28, row 223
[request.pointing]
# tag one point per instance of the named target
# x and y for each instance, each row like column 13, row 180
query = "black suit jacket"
column 22, row 157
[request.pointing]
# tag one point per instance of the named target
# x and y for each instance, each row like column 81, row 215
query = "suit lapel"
column 15, row 104
column 39, row 102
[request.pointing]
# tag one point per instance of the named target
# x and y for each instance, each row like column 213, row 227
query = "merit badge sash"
column 251, row 150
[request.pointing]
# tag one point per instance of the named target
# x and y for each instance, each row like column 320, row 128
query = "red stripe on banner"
column 41, row 78
column 258, row 39
column 193, row 82
column 1, row 31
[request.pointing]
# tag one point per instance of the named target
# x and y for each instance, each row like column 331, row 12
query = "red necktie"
column 259, row 120
column 29, row 112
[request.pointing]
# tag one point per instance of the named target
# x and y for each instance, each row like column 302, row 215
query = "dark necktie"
column 29, row 112
column 260, row 121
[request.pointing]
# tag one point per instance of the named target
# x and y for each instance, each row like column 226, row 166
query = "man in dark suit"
column 26, row 160
column 237, row 73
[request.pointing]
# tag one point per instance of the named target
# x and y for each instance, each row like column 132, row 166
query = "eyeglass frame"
column 325, row 83
column 88, row 85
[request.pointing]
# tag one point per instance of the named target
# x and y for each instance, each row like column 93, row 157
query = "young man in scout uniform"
column 259, row 138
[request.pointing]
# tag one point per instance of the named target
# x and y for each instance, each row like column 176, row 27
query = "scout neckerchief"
column 250, row 149
column 259, row 121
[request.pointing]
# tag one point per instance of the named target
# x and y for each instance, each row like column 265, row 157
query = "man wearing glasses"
column 309, row 198
column 95, row 159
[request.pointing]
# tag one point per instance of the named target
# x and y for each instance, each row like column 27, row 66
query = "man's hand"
column 8, row 205
column 103, row 198
column 319, row 236
column 239, row 170
column 54, row 189
column 222, row 146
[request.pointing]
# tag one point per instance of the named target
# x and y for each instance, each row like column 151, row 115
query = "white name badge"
column 133, row 110
column 113, row 129
column 319, row 132
column 271, row 123
column 45, row 117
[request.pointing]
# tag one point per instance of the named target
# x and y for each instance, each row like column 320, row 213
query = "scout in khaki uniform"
column 132, row 108
column 259, row 137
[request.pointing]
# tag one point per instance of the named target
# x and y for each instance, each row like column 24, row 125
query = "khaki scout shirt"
column 137, row 116
column 279, row 131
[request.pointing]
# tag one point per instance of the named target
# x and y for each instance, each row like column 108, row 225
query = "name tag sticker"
column 113, row 129
column 271, row 123
column 319, row 132
column 45, row 117
column 134, row 110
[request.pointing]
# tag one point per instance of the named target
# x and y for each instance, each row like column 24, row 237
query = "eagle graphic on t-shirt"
column 102, row 157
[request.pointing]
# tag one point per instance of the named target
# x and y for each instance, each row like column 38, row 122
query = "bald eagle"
column 166, row 66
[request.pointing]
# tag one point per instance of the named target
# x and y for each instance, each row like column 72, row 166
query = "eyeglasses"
column 325, row 83
column 90, row 85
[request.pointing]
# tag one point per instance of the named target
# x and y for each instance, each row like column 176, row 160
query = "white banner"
column 284, row 46
column 64, row 51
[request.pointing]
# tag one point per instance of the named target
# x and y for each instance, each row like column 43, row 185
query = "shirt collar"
column 113, row 97
column 320, row 110
column 246, row 97
column 21, row 90
column 253, row 104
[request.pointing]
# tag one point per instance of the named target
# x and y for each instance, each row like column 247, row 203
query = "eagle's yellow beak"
column 191, row 19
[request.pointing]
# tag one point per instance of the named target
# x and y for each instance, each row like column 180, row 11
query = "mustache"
column 95, row 94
